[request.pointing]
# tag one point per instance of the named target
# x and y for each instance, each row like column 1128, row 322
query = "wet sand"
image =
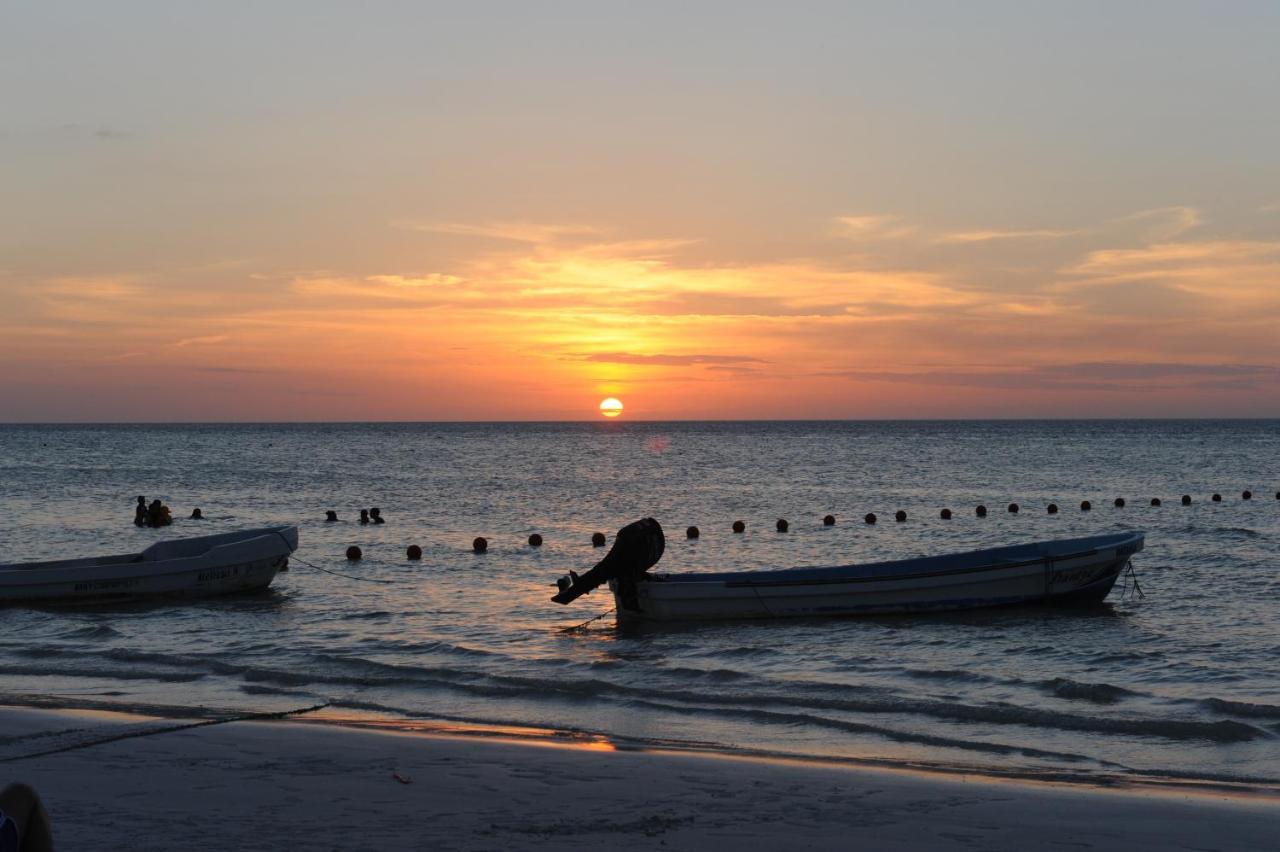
column 112, row 781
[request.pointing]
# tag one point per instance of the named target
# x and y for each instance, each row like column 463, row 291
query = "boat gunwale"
column 741, row 582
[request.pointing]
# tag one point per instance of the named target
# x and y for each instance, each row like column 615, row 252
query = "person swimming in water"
column 364, row 516
column 140, row 513
column 376, row 515
column 158, row 515
column 330, row 516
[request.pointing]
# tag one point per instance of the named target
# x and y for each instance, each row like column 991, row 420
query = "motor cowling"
column 637, row 548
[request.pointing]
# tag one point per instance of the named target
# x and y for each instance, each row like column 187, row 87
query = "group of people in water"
column 367, row 516
column 157, row 514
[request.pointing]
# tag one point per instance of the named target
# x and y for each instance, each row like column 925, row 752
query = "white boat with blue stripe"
column 1066, row 571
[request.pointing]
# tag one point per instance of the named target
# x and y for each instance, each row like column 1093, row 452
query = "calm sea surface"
column 1184, row 682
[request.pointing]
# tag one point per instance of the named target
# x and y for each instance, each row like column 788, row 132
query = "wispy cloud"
column 666, row 360
column 872, row 227
column 520, row 232
column 1164, row 223
column 206, row 340
column 993, row 235
column 1089, row 376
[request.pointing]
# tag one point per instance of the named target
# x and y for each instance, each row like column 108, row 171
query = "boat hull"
column 1001, row 577
column 189, row 568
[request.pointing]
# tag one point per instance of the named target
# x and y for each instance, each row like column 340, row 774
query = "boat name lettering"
column 217, row 574
column 1073, row 576
column 104, row 585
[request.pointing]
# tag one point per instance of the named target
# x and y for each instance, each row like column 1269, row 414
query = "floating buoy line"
column 480, row 544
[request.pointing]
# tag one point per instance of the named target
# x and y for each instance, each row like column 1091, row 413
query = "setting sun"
column 611, row 407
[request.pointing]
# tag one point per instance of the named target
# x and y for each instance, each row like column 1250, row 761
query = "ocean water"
column 1183, row 683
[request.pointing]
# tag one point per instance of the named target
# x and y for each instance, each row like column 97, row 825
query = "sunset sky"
column 510, row 211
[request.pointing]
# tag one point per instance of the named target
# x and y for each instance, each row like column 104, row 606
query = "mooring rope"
column 340, row 574
column 583, row 625
column 245, row 717
column 1132, row 575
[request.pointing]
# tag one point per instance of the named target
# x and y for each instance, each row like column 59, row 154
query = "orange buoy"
column 1085, row 506
column 945, row 514
column 829, row 520
column 692, row 532
column 535, row 540
column 1052, row 508
column 354, row 553
column 1119, row 503
column 782, row 525
column 981, row 511
column 1013, row 508
column 1155, row 501
column 870, row 517
column 899, row 516
column 597, row 539
column 480, row 545
column 739, row 526
column 413, row 552
column 1186, row 499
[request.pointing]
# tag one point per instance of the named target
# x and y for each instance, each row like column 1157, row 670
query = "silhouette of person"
column 364, row 516
column 197, row 515
column 330, row 516
column 140, row 513
column 158, row 515
column 376, row 515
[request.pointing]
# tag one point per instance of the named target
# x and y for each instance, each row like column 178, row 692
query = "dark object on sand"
column 535, row 540
column 869, row 517
column 197, row 515
column 480, row 545
column 1085, row 506
column 1052, row 508
column 945, row 514
column 739, row 526
column 782, row 525
column 376, row 515
column 330, row 516
column 829, row 520
column 1119, row 503
column 597, row 539
column 413, row 552
column 981, row 511
column 1013, row 508
column 354, row 553
column 692, row 532
column 899, row 516
column 24, row 824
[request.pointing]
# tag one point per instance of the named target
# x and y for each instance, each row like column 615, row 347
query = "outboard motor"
column 637, row 548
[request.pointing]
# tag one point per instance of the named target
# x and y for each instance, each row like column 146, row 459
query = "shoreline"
column 325, row 716
column 122, row 781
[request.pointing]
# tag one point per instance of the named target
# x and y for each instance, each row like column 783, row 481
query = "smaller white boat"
column 187, row 567
column 1067, row 571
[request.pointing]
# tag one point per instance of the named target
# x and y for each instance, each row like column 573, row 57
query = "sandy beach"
column 113, row 781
